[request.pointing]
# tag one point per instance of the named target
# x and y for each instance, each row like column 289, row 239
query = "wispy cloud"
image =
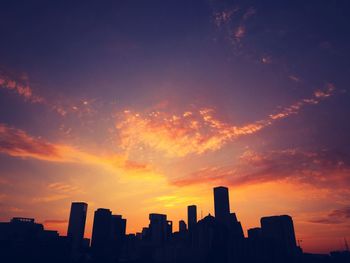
column 61, row 106
column 178, row 134
column 196, row 131
column 224, row 17
column 63, row 187
column 294, row 78
column 18, row 143
column 318, row 95
column 20, row 87
column 239, row 32
column 325, row 169
column 233, row 22
column 249, row 13
column 337, row 216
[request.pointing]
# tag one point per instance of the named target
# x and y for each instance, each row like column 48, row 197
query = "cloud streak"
column 17, row 143
column 324, row 169
column 337, row 216
column 62, row 107
column 199, row 131
column 21, row 88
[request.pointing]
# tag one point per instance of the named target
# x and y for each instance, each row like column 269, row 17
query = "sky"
column 145, row 106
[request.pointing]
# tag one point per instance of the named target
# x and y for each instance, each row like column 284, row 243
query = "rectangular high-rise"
column 281, row 230
column 101, row 230
column 76, row 226
column 158, row 228
column 191, row 216
column 221, row 204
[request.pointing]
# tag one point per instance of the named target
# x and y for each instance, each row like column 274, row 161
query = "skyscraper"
column 221, row 204
column 191, row 216
column 281, row 230
column 76, row 226
column 101, row 230
column 158, row 228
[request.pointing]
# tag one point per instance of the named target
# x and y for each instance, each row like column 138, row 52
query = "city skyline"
column 217, row 238
column 143, row 107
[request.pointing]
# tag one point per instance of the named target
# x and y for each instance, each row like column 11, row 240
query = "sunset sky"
column 145, row 106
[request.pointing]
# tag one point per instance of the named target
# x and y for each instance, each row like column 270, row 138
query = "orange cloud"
column 18, row 143
column 315, row 99
column 63, row 187
column 195, row 132
column 178, row 135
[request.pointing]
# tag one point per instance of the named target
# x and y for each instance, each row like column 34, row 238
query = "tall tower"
column 101, row 230
column 221, row 204
column 76, row 226
column 191, row 216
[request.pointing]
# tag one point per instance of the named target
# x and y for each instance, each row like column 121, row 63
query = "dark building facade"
column 182, row 226
column 24, row 240
column 191, row 216
column 101, row 233
column 280, row 229
column 158, row 228
column 221, row 204
column 118, row 227
column 76, row 226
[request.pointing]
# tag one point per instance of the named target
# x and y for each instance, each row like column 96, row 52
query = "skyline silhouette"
column 210, row 239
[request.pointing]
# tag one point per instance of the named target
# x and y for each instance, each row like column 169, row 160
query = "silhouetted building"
column 158, row 228
column 280, row 231
column 118, row 229
column 211, row 239
column 254, row 233
column 76, row 226
column 191, row 216
column 169, row 228
column 221, row 204
column 102, row 233
column 182, row 226
column 23, row 240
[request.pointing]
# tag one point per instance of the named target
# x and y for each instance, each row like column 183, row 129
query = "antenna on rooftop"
column 346, row 244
